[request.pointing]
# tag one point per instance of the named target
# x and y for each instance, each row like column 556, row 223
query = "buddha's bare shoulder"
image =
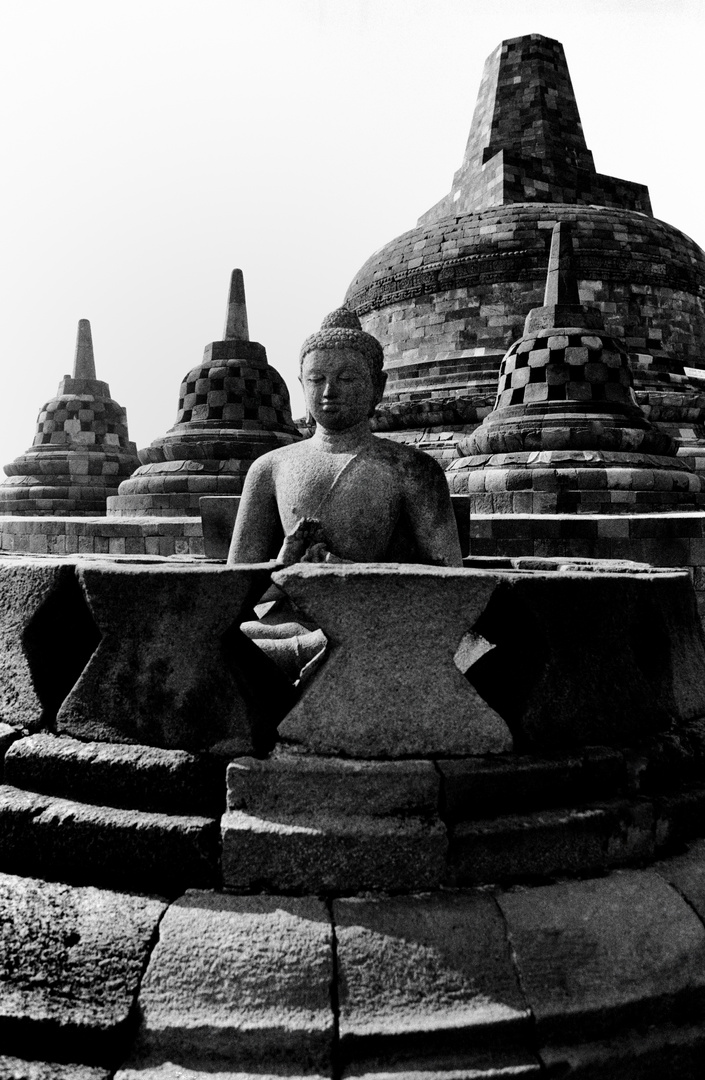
column 269, row 462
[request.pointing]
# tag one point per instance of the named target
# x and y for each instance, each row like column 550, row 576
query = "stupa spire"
column 84, row 360
column 526, row 142
column 561, row 282
column 561, row 301
column 236, row 328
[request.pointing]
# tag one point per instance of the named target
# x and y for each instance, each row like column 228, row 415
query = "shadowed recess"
column 58, row 642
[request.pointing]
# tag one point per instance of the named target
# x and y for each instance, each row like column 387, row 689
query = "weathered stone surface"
column 51, row 837
column 325, row 853
column 476, row 788
column 658, row 1053
column 26, row 585
column 8, row 735
column 301, row 784
column 389, row 686
column 598, row 955
column 117, row 774
column 218, row 513
column 425, row 973
column 71, row 963
column 596, row 657
column 687, row 874
column 14, row 1068
column 163, row 673
column 245, row 980
column 468, row 1065
column 551, row 842
column 196, row 1068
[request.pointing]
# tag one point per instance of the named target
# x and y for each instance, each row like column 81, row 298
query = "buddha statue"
column 345, row 494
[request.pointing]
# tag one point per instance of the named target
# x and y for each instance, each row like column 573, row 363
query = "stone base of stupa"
column 94, row 534
column 575, row 482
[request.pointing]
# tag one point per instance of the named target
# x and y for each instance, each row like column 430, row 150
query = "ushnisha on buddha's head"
column 341, row 372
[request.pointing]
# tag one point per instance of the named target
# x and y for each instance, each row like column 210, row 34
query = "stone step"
column 65, row 840
column 72, row 962
column 118, row 774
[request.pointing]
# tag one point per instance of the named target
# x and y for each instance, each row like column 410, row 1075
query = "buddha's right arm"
column 258, row 534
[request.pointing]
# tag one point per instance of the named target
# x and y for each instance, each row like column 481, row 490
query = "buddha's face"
column 338, row 388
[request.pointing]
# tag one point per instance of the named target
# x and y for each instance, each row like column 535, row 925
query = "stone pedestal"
column 81, row 451
column 232, row 408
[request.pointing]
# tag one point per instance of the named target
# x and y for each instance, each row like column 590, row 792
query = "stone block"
column 389, row 686
column 469, row 1064
column 50, row 837
column 595, row 956
column 30, row 681
column 14, row 1068
column 331, row 854
column 8, row 735
column 197, row 1069
column 240, row 980
column 301, row 784
column 550, row 842
column 425, row 974
column 663, row 1052
column 72, row 963
column 476, row 788
column 596, row 658
column 117, row 774
column 172, row 669
column 687, row 874
column 218, row 513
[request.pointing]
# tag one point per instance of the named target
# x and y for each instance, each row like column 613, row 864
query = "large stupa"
column 447, row 298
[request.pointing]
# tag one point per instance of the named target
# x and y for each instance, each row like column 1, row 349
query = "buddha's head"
column 341, row 372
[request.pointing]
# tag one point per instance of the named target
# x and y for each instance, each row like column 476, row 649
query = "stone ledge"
column 71, row 841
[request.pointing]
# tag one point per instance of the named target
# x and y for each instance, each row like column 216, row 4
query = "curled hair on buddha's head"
column 342, row 330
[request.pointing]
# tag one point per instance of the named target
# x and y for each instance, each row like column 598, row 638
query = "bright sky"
column 150, row 146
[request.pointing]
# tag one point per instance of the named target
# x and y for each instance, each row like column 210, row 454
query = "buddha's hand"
column 307, row 536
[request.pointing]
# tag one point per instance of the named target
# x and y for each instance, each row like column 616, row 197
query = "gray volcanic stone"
column 162, row 673
column 598, row 955
column 596, row 658
column 389, row 686
column 26, row 584
column 242, row 980
column 139, row 777
column 550, row 842
column 71, row 961
column 202, row 1068
column 8, row 735
column 477, row 787
column 470, row 1064
column 303, row 784
column 660, row 1053
column 328, row 853
column 430, row 974
column 43, row 835
column 687, row 874
column 14, row 1068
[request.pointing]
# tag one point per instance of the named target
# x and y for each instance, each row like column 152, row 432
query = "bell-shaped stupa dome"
column 232, row 408
column 81, row 451
column 566, row 434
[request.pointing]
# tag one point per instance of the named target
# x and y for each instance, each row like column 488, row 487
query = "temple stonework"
column 447, row 298
column 232, row 408
column 526, row 141
column 81, row 451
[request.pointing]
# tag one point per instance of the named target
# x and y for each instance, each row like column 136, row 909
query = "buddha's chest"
column 356, row 498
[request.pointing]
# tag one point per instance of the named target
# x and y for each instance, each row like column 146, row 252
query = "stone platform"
column 164, row 536
column 427, row 914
